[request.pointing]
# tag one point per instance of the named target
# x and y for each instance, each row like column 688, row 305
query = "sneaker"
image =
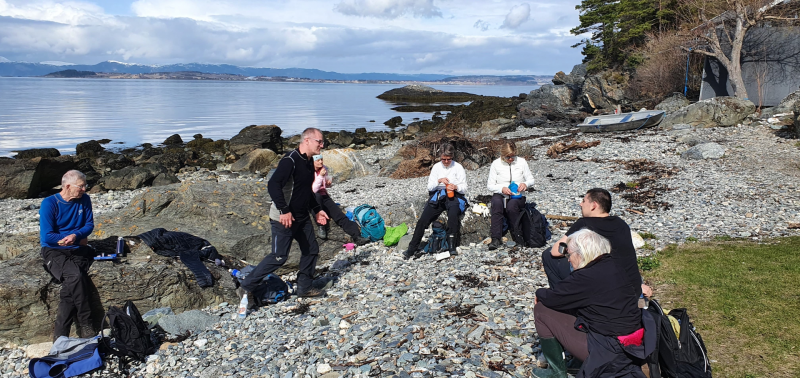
column 312, row 292
column 359, row 241
column 495, row 244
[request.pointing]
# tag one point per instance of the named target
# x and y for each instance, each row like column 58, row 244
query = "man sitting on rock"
column 292, row 199
column 447, row 187
column 65, row 223
column 595, row 209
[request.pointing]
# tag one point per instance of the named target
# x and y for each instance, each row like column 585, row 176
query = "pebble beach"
column 470, row 315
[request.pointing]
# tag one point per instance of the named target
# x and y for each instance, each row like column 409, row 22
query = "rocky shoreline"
column 470, row 315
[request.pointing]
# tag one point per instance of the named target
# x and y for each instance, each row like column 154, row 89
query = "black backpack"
column 535, row 227
column 684, row 357
column 271, row 290
column 130, row 337
column 437, row 242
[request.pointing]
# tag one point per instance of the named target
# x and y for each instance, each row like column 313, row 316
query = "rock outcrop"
column 673, row 103
column 258, row 160
column 703, row 151
column 255, row 137
column 139, row 176
column 344, row 164
column 424, row 93
column 714, row 112
column 38, row 152
column 26, row 178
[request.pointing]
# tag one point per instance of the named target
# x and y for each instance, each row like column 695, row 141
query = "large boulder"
column 602, row 91
column 255, row 137
column 344, row 164
column 38, row 152
column 714, row 112
column 674, row 102
column 129, row 178
column 550, row 98
column 575, row 78
column 704, row 151
column 497, row 126
column 89, row 148
column 29, row 300
column 786, row 105
column 26, row 178
column 255, row 161
column 173, row 140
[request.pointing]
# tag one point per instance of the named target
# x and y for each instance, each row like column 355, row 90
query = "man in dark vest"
column 292, row 199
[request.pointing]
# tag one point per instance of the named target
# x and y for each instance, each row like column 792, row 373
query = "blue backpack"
column 372, row 226
column 437, row 242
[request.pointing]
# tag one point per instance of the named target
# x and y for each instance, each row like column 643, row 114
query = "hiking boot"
column 86, row 332
column 359, row 241
column 322, row 233
column 554, row 353
column 311, row 293
column 495, row 244
column 407, row 254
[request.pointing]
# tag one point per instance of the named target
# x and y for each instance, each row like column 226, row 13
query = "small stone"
column 344, row 324
column 200, row 343
column 323, row 369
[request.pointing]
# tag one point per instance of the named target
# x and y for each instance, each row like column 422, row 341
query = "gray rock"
column 551, row 98
column 786, row 105
column 136, row 177
column 173, row 140
column 601, row 92
column 692, row 140
column 497, row 126
column 672, row 103
column 255, row 137
column 704, row 151
column 257, row 160
column 797, row 120
column 28, row 177
column 193, row 321
column 394, row 121
column 38, row 152
column 714, row 112
column 88, row 148
column 345, row 164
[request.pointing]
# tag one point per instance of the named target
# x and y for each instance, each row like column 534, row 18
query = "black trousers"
column 335, row 213
column 556, row 268
column 514, row 209
column 430, row 214
column 70, row 267
column 303, row 232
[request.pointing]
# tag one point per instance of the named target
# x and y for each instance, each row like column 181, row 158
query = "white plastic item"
column 243, row 307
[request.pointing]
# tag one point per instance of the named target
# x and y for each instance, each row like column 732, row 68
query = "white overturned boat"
column 622, row 122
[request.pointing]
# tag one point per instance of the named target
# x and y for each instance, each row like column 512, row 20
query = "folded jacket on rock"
column 189, row 248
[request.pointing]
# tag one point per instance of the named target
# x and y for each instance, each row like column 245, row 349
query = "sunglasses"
column 447, row 159
column 321, row 142
column 510, row 157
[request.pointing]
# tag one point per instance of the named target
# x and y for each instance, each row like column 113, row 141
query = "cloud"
column 481, row 25
column 3, row 60
column 517, row 16
column 388, row 9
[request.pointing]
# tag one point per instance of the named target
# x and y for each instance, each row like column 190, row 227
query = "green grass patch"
column 743, row 298
column 648, row 235
column 797, row 144
column 632, row 184
column 691, row 239
column 648, row 262
column 723, row 238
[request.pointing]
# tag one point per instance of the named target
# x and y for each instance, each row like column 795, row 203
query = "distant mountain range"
column 24, row 69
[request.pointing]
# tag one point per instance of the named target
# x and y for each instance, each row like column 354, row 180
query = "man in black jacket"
column 595, row 209
column 292, row 199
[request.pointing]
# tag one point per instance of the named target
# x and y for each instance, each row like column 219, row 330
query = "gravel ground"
column 470, row 315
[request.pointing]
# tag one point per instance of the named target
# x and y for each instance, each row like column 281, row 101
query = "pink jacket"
column 320, row 181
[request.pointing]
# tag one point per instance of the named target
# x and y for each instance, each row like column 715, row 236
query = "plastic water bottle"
column 243, row 307
column 237, row 273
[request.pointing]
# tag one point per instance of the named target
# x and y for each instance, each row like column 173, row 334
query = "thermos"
column 120, row 247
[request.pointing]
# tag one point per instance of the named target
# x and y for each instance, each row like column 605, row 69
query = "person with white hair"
column 65, row 223
column 591, row 314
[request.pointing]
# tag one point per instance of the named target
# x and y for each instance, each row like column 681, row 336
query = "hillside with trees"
column 657, row 47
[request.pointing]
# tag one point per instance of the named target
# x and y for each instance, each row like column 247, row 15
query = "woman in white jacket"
column 509, row 168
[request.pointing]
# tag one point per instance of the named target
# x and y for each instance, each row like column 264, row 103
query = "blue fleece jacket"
column 59, row 218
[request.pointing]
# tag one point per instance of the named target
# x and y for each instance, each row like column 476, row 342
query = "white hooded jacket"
column 501, row 174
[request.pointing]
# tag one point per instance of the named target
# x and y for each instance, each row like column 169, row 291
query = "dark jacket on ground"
column 191, row 249
column 599, row 293
column 290, row 187
column 609, row 358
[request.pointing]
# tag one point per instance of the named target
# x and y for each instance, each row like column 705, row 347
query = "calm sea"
column 60, row 113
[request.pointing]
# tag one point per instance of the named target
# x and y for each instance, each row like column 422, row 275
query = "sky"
column 453, row 37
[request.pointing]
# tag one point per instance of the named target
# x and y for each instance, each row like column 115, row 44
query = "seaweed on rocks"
column 301, row 308
column 645, row 190
column 470, row 280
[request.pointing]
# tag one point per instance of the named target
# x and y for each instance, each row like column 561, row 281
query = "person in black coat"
column 594, row 303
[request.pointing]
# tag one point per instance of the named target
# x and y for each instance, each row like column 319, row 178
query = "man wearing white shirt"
column 509, row 168
column 446, row 175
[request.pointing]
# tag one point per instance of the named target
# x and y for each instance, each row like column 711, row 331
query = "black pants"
column 335, row 213
column 70, row 267
column 556, row 268
column 303, row 232
column 430, row 214
column 513, row 208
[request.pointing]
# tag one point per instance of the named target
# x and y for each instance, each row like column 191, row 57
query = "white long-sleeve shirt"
column 454, row 173
column 501, row 174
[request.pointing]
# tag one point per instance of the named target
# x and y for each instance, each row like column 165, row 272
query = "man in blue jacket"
column 65, row 223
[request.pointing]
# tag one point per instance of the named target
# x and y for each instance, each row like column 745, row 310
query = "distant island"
column 195, row 75
column 199, row 71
